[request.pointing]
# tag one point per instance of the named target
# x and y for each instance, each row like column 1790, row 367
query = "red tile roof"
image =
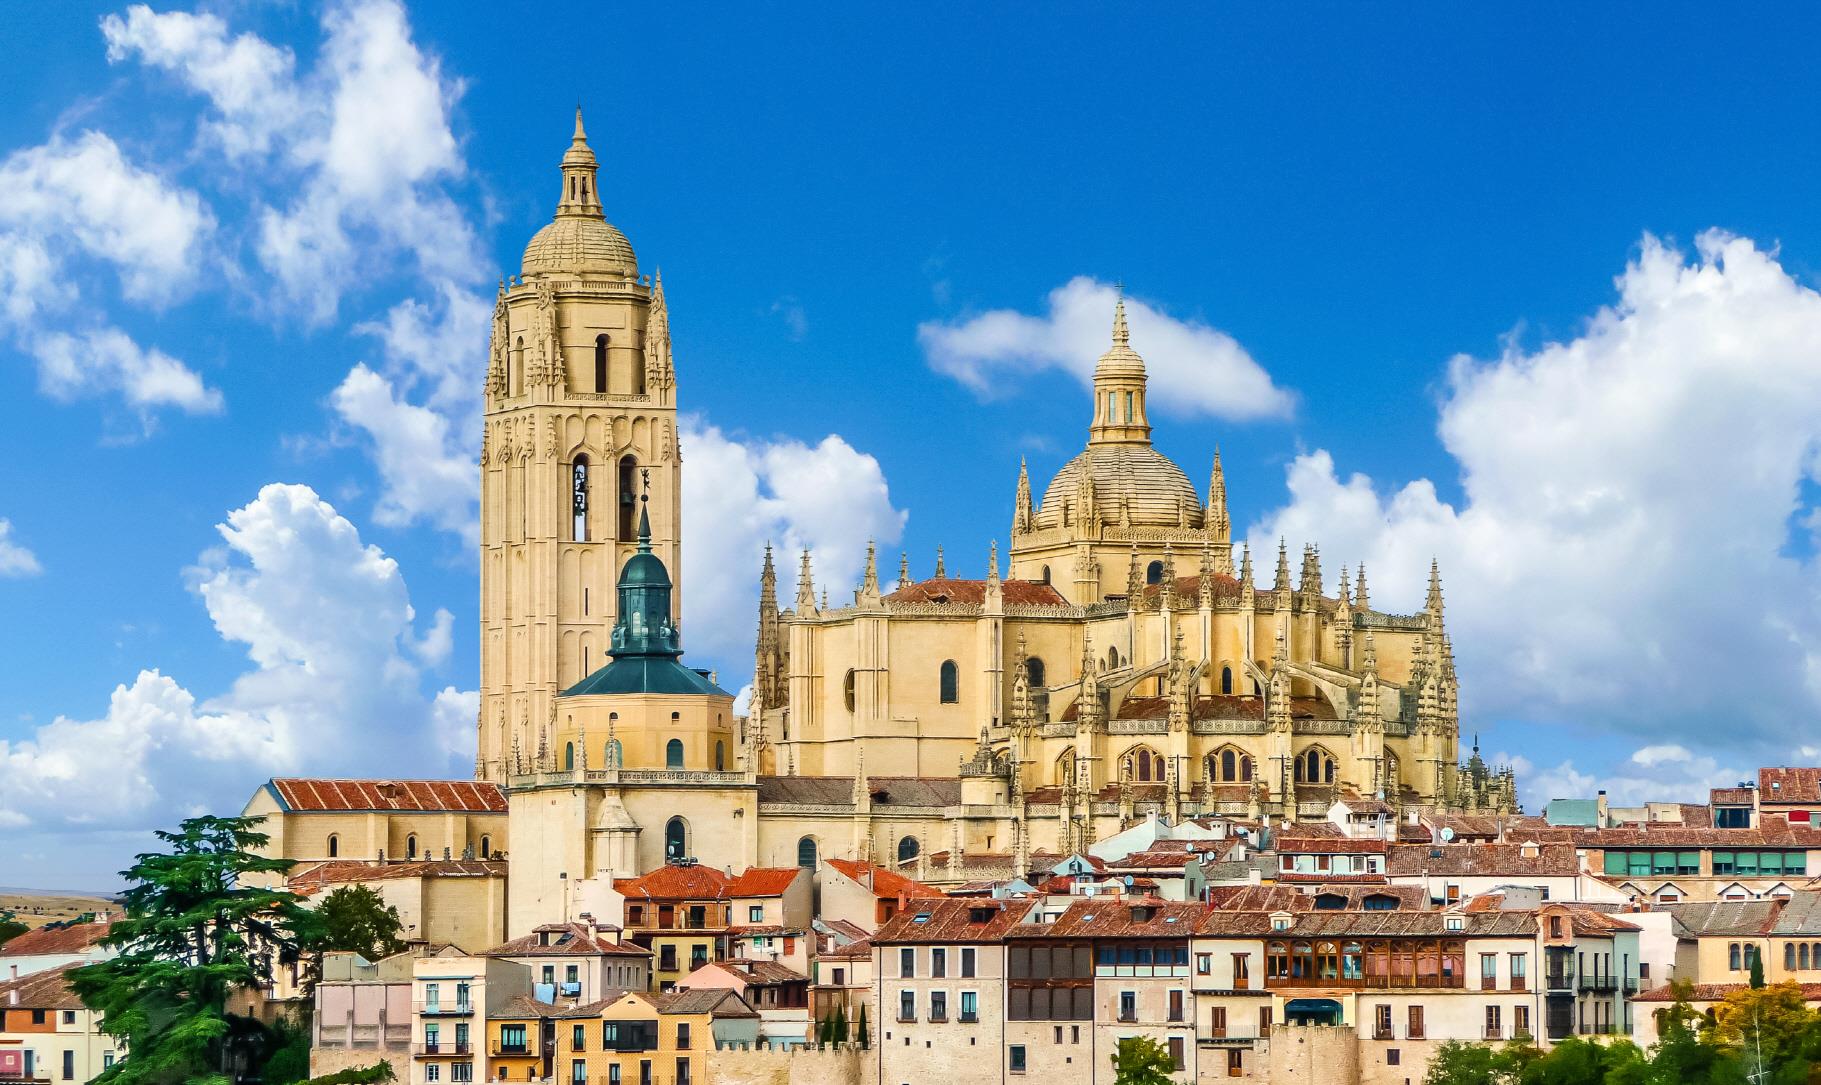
column 1775, row 833
column 46, row 990
column 1123, row 917
column 56, row 938
column 762, row 881
column 947, row 921
column 1714, row 992
column 439, row 796
column 886, row 884
column 1789, row 785
column 674, row 882
column 1730, row 796
column 1329, row 845
column 951, row 590
column 343, row 871
column 1484, row 860
column 566, row 940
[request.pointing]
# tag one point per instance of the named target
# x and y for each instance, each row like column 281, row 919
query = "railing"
column 1629, row 985
column 1600, row 984
column 1493, row 1032
column 1559, row 981
column 1417, row 1032
column 440, row 1048
column 511, row 1049
column 1383, row 1034
column 969, row 1018
column 1520, row 983
column 445, row 1009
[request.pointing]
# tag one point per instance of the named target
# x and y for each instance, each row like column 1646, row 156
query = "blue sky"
column 1528, row 290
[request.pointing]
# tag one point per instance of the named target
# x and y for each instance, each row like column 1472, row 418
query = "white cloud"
column 1660, row 773
column 738, row 495
column 1194, row 369
column 107, row 360
column 327, row 623
column 15, row 559
column 1625, row 556
column 425, row 472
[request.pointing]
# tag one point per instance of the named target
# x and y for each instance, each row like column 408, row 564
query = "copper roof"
column 953, row 921
column 56, row 938
column 951, row 590
column 437, row 796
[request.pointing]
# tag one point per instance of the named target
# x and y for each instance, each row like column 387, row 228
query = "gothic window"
column 1112, row 658
column 578, row 500
column 1153, row 573
column 600, row 363
column 720, row 756
column 1230, row 766
column 1065, row 766
column 411, row 847
column 515, row 367
column 908, row 848
column 673, row 754
column 676, row 839
column 568, row 755
column 847, row 689
column 1128, row 407
column 1044, row 576
column 951, row 682
column 629, row 499
column 1033, row 672
column 1315, row 766
column 334, row 845
column 486, row 847
column 1143, row 766
column 1226, row 680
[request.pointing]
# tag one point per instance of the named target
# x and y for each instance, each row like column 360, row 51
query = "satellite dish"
column 1128, row 881
column 1447, row 835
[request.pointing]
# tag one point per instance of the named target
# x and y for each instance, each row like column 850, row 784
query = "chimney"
column 1599, row 806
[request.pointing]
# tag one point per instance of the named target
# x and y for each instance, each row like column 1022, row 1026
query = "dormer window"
column 1455, row 923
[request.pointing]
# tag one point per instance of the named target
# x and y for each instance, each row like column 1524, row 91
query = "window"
column 847, row 689
column 682, row 1036
column 629, row 499
column 967, row 962
column 411, row 847
column 515, row 366
column 69, row 1016
column 806, row 852
column 938, row 962
column 69, row 1065
column 1316, row 766
column 1175, row 1005
column 1176, row 1052
column 1153, row 573
column 1226, row 680
column 578, row 500
column 1520, row 1021
column 1034, row 672
column 950, row 682
column 673, row 754
column 1236, row 1062
column 600, row 363
column 1128, row 418
column 1204, row 964
column 938, row 1005
column 334, row 845
column 512, row 1039
column 432, row 1072
column 1242, row 968
column 1493, row 1016
column 1415, row 1023
column 682, row 1077
column 578, row 1038
column 568, row 755
column 676, row 839
column 908, row 849
column 907, row 1005
column 1217, row 1022
column 1520, row 968
column 1128, row 1005
column 1489, row 971
column 1015, row 1058
column 1230, row 766
column 1733, row 957
column 578, row 1070
column 486, row 847
column 907, row 963
column 970, row 1006
column 1264, row 1020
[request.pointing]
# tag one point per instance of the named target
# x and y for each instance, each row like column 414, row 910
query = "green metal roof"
column 645, row 674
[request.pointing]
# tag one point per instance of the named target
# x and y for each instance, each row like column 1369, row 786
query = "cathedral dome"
column 580, row 244
column 1135, row 476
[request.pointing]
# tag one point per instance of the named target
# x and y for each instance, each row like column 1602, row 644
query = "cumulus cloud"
column 738, row 494
column 1194, row 369
column 15, row 559
column 1633, row 550
column 424, row 470
column 1659, row 773
column 73, row 202
column 327, row 623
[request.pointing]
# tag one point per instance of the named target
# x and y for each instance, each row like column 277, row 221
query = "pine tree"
column 865, row 1040
column 838, row 1034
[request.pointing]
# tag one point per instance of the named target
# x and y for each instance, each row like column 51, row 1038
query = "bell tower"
column 580, row 410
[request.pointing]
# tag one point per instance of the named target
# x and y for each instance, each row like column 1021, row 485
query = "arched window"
column 673, row 754
column 578, row 499
column 1033, row 672
column 1789, row 956
column 1153, row 573
column 334, row 845
column 1112, row 659
column 638, row 378
column 806, row 852
column 568, row 755
column 486, row 847
column 847, row 689
column 1142, row 766
column 629, row 499
column 951, row 682
column 411, row 847
column 676, row 839
column 908, row 848
column 1128, row 406
column 515, row 367
column 600, row 363
column 1315, row 766
column 1226, row 680
column 720, row 756
column 1065, row 766
column 616, row 755
column 1043, row 577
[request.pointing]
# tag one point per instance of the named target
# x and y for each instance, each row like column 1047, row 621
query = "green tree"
column 1140, row 1060
column 196, row 930
column 839, row 1033
column 1769, row 1026
column 1456, row 1062
column 864, row 1039
column 1680, row 1055
column 353, row 919
column 1757, row 968
column 11, row 927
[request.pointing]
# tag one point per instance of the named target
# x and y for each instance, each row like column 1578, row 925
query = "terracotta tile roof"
column 1291, row 877
column 758, row 973
column 56, row 938
column 1730, row 796
column 1408, row 897
column 1789, row 785
column 1329, row 845
column 764, row 881
column 1484, row 860
column 1800, row 915
column 1189, row 587
column 861, row 950
column 439, row 796
column 717, row 1001
column 343, row 871
column 1258, row 898
column 774, row 930
column 565, row 940
column 1223, row 923
column 1594, row 921
column 886, row 884
column 951, row 590
column 674, row 882
column 947, row 921
column 1714, row 992
column 46, row 990
column 842, row 928
column 1723, row 918
column 1164, row 859
column 526, row 1008
column 1775, row 833
column 839, row 790
column 1120, row 917
column 1411, row 925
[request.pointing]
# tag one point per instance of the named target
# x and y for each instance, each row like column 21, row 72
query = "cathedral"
column 955, row 727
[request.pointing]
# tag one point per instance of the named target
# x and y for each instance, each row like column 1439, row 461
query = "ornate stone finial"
column 1134, row 581
column 992, row 561
column 581, row 739
column 581, row 136
column 904, row 580
column 941, row 568
column 1122, row 336
column 1205, row 579
column 1166, row 584
column 869, row 582
column 1370, row 663
column 1433, row 603
column 1283, row 567
column 1246, row 586
column 1280, row 651
column 825, row 597
column 1024, row 511
column 1219, row 525
column 1346, row 589
column 806, row 588
column 1360, row 599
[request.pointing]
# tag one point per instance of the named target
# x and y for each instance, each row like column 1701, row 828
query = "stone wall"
column 843, row 1065
column 328, row 1060
column 1313, row 1055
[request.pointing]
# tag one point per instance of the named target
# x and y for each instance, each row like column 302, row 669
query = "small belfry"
column 579, row 408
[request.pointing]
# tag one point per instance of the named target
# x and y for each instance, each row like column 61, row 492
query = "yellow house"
column 641, row 1039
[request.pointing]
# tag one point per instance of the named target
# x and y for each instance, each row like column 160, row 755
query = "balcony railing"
column 1383, row 1034
column 445, row 1009
column 511, row 1049
column 1600, row 984
column 440, row 1048
column 1493, row 1032
column 969, row 1018
column 1559, row 981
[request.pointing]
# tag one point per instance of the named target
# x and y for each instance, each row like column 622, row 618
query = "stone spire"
column 904, row 580
column 1282, row 584
column 1433, row 603
column 1360, row 599
column 1205, row 584
column 1166, row 585
column 992, row 562
column 660, row 370
column 1119, row 390
column 1310, row 583
column 579, row 195
column 1245, row 571
column 1368, row 711
column 869, row 580
column 1134, row 581
column 1346, row 589
column 1023, row 510
column 941, row 569
column 1277, row 704
column 768, row 662
column 1220, row 526
column 806, row 588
